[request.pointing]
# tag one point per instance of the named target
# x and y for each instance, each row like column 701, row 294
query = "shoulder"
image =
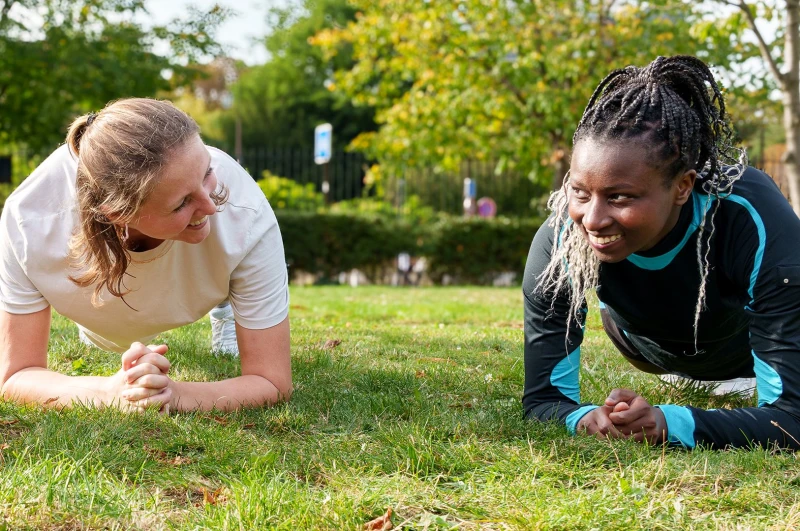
column 243, row 192
column 246, row 215
column 48, row 191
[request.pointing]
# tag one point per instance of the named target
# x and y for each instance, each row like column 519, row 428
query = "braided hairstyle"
column 675, row 107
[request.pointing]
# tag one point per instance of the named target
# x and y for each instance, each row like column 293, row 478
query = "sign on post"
column 323, row 143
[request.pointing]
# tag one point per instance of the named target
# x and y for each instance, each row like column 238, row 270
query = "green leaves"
column 492, row 79
column 83, row 54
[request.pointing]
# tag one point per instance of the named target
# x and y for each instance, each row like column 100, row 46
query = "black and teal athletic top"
column 751, row 323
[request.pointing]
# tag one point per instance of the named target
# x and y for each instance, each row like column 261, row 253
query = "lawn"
column 406, row 399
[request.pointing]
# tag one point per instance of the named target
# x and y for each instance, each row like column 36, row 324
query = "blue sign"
column 323, row 143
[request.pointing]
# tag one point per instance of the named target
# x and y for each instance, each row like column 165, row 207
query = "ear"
column 683, row 185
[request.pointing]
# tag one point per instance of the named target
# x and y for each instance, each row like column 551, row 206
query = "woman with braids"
column 695, row 258
column 132, row 228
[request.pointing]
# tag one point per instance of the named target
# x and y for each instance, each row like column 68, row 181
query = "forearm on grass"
column 227, row 395
column 42, row 386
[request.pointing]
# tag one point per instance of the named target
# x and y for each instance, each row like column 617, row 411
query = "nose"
column 209, row 207
column 595, row 215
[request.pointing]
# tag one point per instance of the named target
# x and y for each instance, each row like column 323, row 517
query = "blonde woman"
column 132, row 228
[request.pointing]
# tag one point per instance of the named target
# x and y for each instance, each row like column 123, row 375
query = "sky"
column 241, row 33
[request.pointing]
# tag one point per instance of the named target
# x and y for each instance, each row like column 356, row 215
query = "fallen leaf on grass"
column 332, row 343
column 220, row 420
column 180, row 460
column 420, row 374
column 4, row 446
column 381, row 523
column 464, row 405
column 212, row 497
column 8, row 422
column 51, row 400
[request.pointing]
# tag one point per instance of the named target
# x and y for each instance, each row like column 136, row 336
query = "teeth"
column 604, row 240
column 198, row 222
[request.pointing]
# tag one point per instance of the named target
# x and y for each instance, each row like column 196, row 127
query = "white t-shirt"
column 172, row 285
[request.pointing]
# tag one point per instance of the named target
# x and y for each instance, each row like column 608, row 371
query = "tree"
column 499, row 80
column 280, row 102
column 59, row 58
column 785, row 72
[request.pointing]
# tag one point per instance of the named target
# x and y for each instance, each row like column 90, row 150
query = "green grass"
column 418, row 409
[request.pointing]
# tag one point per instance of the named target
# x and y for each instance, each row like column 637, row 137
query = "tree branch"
column 6, row 7
column 762, row 44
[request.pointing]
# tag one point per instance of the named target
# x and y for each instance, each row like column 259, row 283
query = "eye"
column 619, row 197
column 579, row 194
column 180, row 207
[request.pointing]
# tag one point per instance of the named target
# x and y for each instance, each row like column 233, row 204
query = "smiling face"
column 180, row 206
column 620, row 200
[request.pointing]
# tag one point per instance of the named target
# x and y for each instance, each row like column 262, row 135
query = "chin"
column 609, row 258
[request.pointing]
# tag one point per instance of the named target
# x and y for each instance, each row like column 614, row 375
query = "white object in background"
column 323, row 143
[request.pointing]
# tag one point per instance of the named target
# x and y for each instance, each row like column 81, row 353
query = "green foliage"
column 327, row 244
column 284, row 193
column 86, row 53
column 282, row 101
column 413, row 209
column 468, row 250
column 497, row 79
column 474, row 250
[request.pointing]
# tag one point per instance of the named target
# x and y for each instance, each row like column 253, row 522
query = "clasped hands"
column 625, row 415
column 142, row 382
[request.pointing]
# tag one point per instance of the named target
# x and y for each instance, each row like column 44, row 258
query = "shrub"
column 327, row 244
column 284, row 193
column 468, row 250
column 474, row 250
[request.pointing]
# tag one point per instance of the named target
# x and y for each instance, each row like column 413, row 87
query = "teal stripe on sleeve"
column 565, row 376
column 680, row 425
column 576, row 416
column 768, row 382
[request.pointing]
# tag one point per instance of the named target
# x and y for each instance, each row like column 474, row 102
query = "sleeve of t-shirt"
column 18, row 295
column 259, row 288
column 552, row 350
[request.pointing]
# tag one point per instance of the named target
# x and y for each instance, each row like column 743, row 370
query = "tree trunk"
column 791, row 101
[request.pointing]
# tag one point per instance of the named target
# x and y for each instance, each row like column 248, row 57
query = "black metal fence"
column 441, row 190
column 514, row 193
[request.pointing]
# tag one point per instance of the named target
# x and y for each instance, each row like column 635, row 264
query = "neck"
column 138, row 242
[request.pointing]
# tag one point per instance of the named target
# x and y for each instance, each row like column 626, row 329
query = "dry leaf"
column 180, row 460
column 51, row 400
column 5, row 422
column 465, row 405
column 332, row 343
column 212, row 498
column 4, row 446
column 248, row 426
column 381, row 523
column 220, row 420
column 420, row 374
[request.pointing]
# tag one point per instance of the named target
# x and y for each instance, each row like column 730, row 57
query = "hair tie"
column 91, row 118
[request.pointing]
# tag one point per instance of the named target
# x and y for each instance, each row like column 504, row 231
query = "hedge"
column 470, row 250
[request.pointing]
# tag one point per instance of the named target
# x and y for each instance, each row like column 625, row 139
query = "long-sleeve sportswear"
column 750, row 323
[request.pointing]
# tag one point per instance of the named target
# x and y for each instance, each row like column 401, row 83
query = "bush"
column 327, row 244
column 468, row 250
column 285, row 193
column 475, row 250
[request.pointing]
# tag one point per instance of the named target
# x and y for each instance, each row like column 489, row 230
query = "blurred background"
column 451, row 120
